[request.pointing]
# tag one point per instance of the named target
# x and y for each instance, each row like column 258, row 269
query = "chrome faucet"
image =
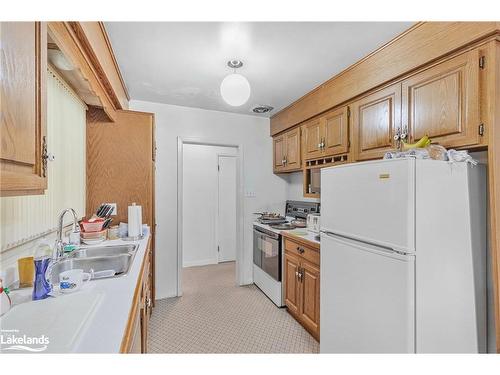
column 59, row 246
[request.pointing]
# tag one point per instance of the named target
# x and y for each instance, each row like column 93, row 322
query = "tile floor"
column 216, row 316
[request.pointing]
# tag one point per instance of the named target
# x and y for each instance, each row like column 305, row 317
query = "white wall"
column 199, row 203
column 251, row 132
column 295, row 187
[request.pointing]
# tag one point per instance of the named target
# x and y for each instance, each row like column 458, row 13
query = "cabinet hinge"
column 45, row 156
column 482, row 60
column 348, row 112
column 481, row 129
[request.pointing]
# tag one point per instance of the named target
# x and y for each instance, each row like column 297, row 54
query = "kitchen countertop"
column 298, row 233
column 103, row 330
column 302, row 235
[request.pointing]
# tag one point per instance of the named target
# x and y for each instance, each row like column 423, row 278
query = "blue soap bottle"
column 42, row 258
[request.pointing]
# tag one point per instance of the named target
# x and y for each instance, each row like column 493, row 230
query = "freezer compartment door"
column 367, row 298
column 372, row 201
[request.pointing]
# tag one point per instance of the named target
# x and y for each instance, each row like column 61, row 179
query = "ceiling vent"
column 262, row 109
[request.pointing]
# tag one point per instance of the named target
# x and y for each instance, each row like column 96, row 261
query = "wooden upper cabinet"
column 292, row 286
column 376, row 119
column 278, row 153
column 309, row 299
column 286, row 151
column 292, row 154
column 336, row 132
column 23, row 68
column 443, row 102
column 327, row 135
column 312, row 134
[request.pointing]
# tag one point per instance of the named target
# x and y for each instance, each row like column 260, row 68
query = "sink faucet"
column 59, row 247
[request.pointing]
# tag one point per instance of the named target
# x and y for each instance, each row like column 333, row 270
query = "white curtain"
column 28, row 217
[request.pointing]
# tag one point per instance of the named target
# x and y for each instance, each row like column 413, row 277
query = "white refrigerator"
column 403, row 257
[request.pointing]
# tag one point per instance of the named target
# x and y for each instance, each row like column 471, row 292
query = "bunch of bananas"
column 421, row 143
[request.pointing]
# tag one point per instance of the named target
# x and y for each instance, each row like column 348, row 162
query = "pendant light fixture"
column 234, row 88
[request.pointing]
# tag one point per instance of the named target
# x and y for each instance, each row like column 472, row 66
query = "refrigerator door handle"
column 365, row 246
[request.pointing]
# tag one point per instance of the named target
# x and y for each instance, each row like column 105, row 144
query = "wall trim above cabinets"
column 96, row 77
column 422, row 43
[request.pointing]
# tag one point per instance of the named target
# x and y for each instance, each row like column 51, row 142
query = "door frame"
column 217, row 200
column 181, row 141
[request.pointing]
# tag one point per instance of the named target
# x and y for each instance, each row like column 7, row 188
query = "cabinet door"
column 375, row 120
column 312, row 134
column 23, row 70
column 292, row 283
column 336, row 132
column 309, row 298
column 443, row 102
column 292, row 153
column 278, row 153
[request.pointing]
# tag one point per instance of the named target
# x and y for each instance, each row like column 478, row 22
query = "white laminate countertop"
column 299, row 232
column 103, row 330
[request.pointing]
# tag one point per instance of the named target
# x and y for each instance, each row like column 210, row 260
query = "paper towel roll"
column 134, row 220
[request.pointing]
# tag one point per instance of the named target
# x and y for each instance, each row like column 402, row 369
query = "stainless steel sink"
column 101, row 262
column 88, row 252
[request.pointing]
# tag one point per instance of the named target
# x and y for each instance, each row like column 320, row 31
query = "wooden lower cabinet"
column 135, row 338
column 292, row 286
column 302, row 282
column 309, row 297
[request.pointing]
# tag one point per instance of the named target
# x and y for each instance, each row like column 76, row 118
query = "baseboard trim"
column 196, row 263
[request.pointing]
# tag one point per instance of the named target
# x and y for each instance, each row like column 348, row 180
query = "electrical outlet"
column 113, row 211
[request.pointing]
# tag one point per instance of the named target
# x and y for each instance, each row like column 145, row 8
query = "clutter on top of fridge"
column 423, row 149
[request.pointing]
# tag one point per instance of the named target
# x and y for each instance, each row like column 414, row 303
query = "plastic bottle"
column 42, row 258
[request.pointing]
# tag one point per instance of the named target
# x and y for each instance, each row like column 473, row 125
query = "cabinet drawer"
column 305, row 252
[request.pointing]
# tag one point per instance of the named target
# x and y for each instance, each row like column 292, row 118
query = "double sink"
column 100, row 261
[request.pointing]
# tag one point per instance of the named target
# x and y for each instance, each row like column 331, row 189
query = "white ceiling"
column 183, row 63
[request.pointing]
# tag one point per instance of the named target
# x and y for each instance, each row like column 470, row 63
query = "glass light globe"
column 235, row 89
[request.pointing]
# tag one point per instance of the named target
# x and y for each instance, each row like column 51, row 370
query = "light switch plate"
column 113, row 211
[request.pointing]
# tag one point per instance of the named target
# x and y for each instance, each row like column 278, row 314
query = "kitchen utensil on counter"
column 299, row 223
column 123, row 230
column 94, row 235
column 134, row 221
column 93, row 224
column 72, row 280
column 107, row 223
column 313, row 223
column 113, row 232
column 26, row 271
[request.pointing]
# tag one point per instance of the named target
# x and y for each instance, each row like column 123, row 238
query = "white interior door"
column 226, row 208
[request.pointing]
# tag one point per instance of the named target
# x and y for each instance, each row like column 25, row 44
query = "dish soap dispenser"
column 43, row 256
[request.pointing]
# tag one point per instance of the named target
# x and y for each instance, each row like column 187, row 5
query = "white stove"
column 268, row 250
